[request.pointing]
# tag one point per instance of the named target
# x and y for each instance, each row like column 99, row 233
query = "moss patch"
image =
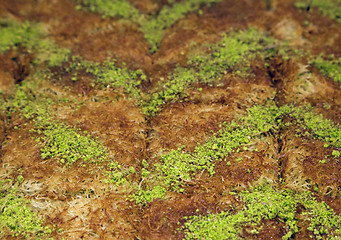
column 152, row 26
column 16, row 217
column 178, row 166
column 329, row 8
column 109, row 74
column 68, row 144
column 261, row 203
column 31, row 36
column 330, row 67
column 233, row 53
column 57, row 140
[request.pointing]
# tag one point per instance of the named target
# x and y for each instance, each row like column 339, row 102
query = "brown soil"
column 76, row 200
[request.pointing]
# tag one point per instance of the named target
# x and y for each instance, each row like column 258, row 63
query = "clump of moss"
column 57, row 139
column 177, row 167
column 118, row 173
column 28, row 101
column 330, row 67
column 110, row 74
column 322, row 128
column 108, row 8
column 233, row 53
column 263, row 202
column 16, row 217
column 152, row 26
column 31, row 36
column 329, row 8
column 144, row 196
column 67, row 144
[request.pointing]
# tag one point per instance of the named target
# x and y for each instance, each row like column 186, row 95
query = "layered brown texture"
column 76, row 200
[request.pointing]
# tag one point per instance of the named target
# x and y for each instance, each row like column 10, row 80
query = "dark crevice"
column 22, row 69
column 279, row 72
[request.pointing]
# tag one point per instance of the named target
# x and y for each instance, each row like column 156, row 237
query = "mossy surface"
column 321, row 128
column 232, row 54
column 213, row 111
column 16, row 216
column 153, row 26
column 178, row 166
column 57, row 139
column 107, row 8
column 109, row 74
column 329, row 66
column 67, row 144
column 261, row 203
column 31, row 36
column 329, row 8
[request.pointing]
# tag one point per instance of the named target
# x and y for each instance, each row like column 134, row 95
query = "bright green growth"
column 118, row 174
column 330, row 67
column 154, row 27
column 330, row 8
column 13, row 34
column 109, row 74
column 68, row 144
column 110, row 8
column 16, row 217
column 336, row 153
column 143, row 196
column 264, row 202
column 322, row 128
column 233, row 53
column 178, row 167
column 324, row 224
column 31, row 36
column 57, row 139
column 28, row 101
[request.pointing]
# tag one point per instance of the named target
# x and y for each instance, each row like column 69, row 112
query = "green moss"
column 109, row 8
column 261, row 203
column 67, row 144
column 324, row 223
column 177, row 167
column 27, row 101
column 143, row 196
column 57, row 140
column 110, row 74
column 152, row 26
column 330, row 67
column 14, row 34
column 233, row 53
column 16, row 217
column 329, row 8
column 118, row 173
column 323, row 129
